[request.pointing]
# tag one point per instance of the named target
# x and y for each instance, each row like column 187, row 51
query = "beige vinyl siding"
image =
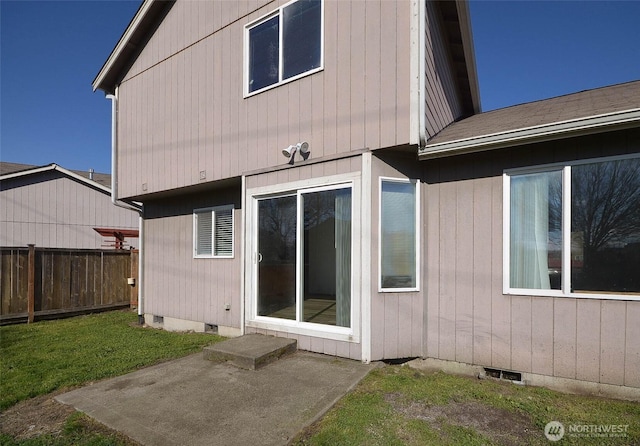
column 52, row 210
column 178, row 285
column 396, row 317
column 468, row 319
column 442, row 98
column 181, row 109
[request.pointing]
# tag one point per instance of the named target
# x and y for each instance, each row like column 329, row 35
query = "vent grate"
column 503, row 374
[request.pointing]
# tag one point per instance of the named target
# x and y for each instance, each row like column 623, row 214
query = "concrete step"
column 250, row 351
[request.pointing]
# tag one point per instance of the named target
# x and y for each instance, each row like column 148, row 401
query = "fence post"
column 31, row 282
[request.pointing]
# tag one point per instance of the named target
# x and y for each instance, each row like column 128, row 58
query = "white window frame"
column 297, row 189
column 565, row 288
column 281, row 81
column 416, row 182
column 213, row 210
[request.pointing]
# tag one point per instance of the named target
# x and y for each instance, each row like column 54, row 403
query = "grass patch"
column 398, row 405
column 40, row 358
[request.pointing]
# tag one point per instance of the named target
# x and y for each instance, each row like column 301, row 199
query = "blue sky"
column 50, row 52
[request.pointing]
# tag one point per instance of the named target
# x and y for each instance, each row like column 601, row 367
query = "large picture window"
column 398, row 235
column 574, row 229
column 284, row 45
column 213, row 232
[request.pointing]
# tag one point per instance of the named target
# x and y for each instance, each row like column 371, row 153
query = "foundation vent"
column 158, row 319
column 211, row 328
column 503, row 374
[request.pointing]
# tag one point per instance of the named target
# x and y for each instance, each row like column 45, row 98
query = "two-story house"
column 306, row 171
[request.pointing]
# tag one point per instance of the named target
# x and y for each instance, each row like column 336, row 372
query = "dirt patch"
column 501, row 426
column 34, row 417
column 43, row 415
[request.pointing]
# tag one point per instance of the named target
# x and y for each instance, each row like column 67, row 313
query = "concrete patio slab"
column 192, row 401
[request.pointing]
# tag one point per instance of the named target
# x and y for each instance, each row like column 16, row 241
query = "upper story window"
column 213, row 232
column 574, row 229
column 284, row 45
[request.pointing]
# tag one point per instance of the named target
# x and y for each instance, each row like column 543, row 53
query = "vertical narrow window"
column 213, row 232
column 398, row 235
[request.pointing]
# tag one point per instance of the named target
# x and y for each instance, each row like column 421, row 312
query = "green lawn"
column 393, row 405
column 398, row 405
column 40, row 358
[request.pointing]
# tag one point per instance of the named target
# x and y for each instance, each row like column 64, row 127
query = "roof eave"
column 142, row 21
column 557, row 130
column 464, row 19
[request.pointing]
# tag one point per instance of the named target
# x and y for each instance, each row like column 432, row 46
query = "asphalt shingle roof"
column 600, row 101
column 101, row 178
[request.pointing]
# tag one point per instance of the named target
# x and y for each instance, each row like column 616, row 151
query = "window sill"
column 600, row 295
column 398, row 290
column 213, row 257
column 283, row 82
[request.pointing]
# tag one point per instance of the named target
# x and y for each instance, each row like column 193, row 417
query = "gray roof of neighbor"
column 101, row 178
column 584, row 104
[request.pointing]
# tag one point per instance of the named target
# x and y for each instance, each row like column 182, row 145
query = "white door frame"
column 252, row 196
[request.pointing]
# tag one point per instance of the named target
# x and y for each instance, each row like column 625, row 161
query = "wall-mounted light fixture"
column 301, row 147
column 289, row 151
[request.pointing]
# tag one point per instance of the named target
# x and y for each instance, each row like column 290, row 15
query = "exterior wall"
column 396, row 317
column 181, row 108
column 470, row 320
column 443, row 102
column 52, row 210
column 179, row 286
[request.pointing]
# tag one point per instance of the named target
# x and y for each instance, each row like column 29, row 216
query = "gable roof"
column 101, row 181
column 602, row 109
column 134, row 38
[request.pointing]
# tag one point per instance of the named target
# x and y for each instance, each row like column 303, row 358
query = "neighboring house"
column 53, row 207
column 396, row 228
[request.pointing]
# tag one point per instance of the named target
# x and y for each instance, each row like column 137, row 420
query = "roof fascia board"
column 466, row 32
column 32, row 171
column 556, row 130
column 59, row 169
column 122, row 43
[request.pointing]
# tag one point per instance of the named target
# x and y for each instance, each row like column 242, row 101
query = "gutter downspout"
column 422, row 88
column 114, row 199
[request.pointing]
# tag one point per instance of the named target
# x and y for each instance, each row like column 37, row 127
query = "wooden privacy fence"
column 39, row 283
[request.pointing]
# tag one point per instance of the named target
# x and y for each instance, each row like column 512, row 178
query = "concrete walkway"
column 192, row 401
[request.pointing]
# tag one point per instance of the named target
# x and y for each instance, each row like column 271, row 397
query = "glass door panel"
column 326, row 250
column 277, row 227
column 304, row 257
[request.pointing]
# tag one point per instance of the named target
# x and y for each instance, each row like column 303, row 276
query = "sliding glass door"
column 304, row 244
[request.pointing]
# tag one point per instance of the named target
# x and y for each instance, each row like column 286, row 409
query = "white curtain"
column 343, row 258
column 529, row 265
